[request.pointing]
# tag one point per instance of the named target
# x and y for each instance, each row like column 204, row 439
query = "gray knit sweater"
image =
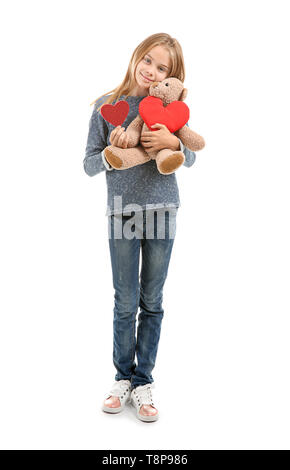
column 142, row 184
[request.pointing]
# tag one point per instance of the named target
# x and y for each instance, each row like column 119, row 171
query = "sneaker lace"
column 119, row 387
column 144, row 392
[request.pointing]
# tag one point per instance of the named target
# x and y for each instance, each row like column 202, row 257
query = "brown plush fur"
column 167, row 160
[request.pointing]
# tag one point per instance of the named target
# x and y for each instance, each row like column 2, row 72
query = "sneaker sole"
column 148, row 418
column 108, row 409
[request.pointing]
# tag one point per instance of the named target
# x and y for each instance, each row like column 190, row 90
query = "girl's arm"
column 94, row 161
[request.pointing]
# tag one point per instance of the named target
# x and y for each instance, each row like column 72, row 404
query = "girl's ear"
column 183, row 94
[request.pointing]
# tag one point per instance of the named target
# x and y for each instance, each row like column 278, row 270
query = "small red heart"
column 174, row 116
column 115, row 113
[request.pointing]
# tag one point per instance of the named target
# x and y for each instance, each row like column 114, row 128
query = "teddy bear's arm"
column 190, row 139
column 134, row 131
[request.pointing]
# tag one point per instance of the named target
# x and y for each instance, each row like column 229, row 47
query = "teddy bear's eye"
column 166, row 84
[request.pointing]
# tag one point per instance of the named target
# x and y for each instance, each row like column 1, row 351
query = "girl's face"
column 154, row 67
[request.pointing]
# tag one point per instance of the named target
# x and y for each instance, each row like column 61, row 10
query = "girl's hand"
column 158, row 140
column 119, row 138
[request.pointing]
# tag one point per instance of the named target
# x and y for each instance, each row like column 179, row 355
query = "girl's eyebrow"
column 160, row 64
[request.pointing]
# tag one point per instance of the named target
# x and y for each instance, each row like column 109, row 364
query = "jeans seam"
column 133, row 329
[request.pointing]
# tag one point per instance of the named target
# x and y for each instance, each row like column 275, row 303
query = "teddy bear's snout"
column 154, row 84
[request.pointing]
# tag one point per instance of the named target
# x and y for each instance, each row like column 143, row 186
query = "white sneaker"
column 120, row 389
column 142, row 395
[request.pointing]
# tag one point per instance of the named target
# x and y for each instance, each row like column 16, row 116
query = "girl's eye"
column 160, row 68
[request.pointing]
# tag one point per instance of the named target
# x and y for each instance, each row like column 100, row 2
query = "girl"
column 145, row 191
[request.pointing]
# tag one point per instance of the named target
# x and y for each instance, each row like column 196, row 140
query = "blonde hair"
column 177, row 68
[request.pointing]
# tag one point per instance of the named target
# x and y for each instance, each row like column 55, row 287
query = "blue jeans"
column 130, row 294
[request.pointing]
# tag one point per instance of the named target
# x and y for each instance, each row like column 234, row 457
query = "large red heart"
column 115, row 113
column 174, row 116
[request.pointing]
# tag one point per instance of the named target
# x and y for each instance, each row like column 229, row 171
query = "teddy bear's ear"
column 183, row 94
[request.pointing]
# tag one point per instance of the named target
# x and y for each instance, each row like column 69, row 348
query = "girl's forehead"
column 160, row 53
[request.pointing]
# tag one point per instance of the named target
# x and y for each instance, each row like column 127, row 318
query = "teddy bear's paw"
column 115, row 162
column 171, row 163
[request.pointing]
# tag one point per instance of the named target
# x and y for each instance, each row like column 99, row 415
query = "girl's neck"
column 139, row 92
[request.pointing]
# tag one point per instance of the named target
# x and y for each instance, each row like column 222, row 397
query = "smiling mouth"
column 145, row 78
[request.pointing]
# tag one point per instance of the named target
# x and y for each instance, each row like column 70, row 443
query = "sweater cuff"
column 107, row 164
column 181, row 145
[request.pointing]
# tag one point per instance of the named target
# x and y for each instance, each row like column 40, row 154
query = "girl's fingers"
column 119, row 132
column 122, row 140
column 114, row 137
column 127, row 140
column 116, row 132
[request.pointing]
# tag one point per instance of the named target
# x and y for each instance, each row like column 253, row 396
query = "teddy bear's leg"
column 121, row 159
column 168, row 161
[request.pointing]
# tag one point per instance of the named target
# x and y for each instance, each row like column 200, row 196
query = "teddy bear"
column 168, row 91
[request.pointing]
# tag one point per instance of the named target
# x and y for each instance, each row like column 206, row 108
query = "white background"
column 222, row 370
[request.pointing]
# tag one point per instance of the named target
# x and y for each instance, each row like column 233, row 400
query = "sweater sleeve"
column 189, row 154
column 94, row 161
